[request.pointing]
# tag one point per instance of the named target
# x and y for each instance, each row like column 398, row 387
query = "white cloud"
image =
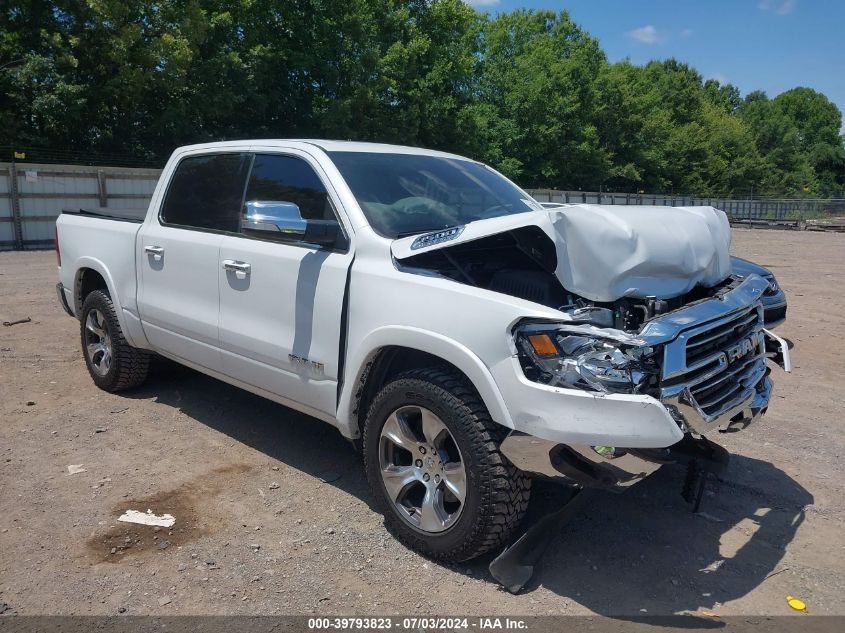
column 722, row 79
column 687, row 32
column 482, row 3
column 781, row 7
column 645, row 34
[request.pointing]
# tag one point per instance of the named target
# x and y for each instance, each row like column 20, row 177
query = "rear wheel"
column 433, row 463
column 114, row 365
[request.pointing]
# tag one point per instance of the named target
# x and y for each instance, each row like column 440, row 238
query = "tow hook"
column 514, row 567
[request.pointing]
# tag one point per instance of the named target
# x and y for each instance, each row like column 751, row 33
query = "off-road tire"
column 497, row 492
column 129, row 365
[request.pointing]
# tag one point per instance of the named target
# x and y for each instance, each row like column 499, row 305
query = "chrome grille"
column 705, row 344
column 735, row 383
column 723, row 363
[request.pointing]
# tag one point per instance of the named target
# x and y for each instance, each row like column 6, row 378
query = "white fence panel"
column 7, row 229
column 42, row 191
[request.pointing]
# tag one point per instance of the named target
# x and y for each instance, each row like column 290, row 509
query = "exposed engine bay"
column 522, row 262
column 611, row 271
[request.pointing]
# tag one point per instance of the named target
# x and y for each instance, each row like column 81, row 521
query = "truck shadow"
column 644, row 551
column 295, row 439
column 634, row 554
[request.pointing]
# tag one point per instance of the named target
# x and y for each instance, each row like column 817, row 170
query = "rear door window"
column 206, row 192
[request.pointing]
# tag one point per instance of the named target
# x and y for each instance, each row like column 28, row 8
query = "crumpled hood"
column 606, row 252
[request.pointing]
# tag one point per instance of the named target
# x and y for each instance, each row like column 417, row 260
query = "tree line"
column 529, row 92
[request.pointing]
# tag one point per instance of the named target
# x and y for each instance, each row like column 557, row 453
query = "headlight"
column 567, row 359
column 773, row 286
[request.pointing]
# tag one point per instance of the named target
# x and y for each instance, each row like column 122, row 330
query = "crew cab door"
column 281, row 298
column 179, row 256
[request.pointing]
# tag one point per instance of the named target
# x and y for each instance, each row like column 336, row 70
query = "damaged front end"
column 706, row 363
column 579, row 358
column 662, row 321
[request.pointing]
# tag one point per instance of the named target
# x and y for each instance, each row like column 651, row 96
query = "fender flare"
column 96, row 265
column 425, row 341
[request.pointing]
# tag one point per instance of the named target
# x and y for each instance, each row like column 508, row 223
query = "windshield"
column 404, row 194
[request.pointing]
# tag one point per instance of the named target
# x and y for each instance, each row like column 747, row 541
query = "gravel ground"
column 274, row 517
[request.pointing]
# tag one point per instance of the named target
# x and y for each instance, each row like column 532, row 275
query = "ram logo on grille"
column 743, row 347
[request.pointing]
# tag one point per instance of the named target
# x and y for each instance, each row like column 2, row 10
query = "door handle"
column 156, row 251
column 237, row 267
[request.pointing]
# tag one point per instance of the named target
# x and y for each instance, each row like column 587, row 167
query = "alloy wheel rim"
column 422, row 469
column 98, row 342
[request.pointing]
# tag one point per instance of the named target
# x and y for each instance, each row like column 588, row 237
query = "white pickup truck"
column 465, row 337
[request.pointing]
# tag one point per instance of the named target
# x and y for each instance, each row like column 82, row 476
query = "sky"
column 770, row 45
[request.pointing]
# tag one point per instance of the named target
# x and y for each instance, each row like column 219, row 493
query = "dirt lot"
column 273, row 513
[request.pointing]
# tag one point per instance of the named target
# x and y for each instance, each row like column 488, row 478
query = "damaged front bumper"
column 727, row 393
column 582, row 465
column 715, row 377
column 596, row 468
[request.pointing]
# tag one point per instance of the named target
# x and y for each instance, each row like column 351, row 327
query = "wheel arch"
column 91, row 274
column 86, row 281
column 391, row 351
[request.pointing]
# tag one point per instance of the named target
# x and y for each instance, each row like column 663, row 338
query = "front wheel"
column 433, row 463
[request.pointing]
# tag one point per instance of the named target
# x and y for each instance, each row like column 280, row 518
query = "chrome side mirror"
column 283, row 221
column 271, row 218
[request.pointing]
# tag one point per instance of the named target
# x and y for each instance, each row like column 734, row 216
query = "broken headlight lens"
column 566, row 359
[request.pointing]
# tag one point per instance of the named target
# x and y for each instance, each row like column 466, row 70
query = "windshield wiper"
column 402, row 234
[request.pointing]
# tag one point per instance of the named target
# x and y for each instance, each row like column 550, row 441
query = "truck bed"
column 103, row 242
